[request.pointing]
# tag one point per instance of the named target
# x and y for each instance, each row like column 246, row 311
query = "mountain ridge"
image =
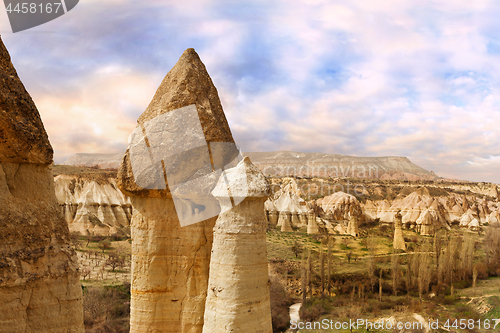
column 291, row 163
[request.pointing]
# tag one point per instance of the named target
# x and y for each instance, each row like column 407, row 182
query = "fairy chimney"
column 175, row 156
column 40, row 287
column 238, row 290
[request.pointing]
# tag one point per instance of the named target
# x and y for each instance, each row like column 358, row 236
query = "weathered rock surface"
column 170, row 263
column 39, row 281
column 238, row 291
column 93, row 205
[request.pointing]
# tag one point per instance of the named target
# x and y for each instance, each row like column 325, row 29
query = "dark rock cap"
column 22, row 136
column 187, row 84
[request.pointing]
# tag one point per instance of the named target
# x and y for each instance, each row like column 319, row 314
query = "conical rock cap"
column 187, row 87
column 22, row 136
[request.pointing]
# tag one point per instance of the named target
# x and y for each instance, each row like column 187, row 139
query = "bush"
column 119, row 236
column 107, row 309
column 280, row 304
column 315, row 308
column 104, row 245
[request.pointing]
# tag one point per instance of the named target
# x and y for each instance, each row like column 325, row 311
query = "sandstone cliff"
column 181, row 138
column 93, row 204
column 39, row 282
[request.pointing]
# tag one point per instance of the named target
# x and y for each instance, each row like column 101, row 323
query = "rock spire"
column 174, row 158
column 238, row 291
column 39, row 282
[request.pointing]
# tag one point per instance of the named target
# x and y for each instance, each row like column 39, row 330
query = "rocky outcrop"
column 419, row 210
column 93, row 204
column 340, row 206
column 352, row 227
column 180, row 139
column 287, row 203
column 39, row 282
column 426, row 213
column 238, row 291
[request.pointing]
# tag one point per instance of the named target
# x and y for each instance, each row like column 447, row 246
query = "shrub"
column 107, row 309
column 315, row 308
column 280, row 303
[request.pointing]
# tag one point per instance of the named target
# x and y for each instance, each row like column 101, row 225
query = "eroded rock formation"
column 340, row 206
column 39, row 281
column 352, row 227
column 93, row 204
column 238, row 291
column 170, row 263
column 287, row 203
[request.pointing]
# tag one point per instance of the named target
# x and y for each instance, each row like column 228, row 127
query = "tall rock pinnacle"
column 238, row 291
column 40, row 287
column 174, row 158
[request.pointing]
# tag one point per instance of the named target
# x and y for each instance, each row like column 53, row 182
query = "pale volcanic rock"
column 238, row 291
column 93, row 205
column 352, row 227
column 340, row 206
column 40, row 287
column 287, row 199
column 418, row 210
column 170, row 263
column 284, row 221
column 312, row 225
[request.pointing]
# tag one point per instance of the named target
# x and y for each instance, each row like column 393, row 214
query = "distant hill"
column 287, row 163
column 103, row 161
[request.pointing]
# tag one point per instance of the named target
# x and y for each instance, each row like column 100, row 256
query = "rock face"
column 170, row 263
column 93, row 204
column 39, row 282
column 238, row 291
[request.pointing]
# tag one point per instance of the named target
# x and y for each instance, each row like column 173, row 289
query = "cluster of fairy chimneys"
column 288, row 221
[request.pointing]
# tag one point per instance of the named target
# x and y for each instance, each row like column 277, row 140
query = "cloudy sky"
column 367, row 78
